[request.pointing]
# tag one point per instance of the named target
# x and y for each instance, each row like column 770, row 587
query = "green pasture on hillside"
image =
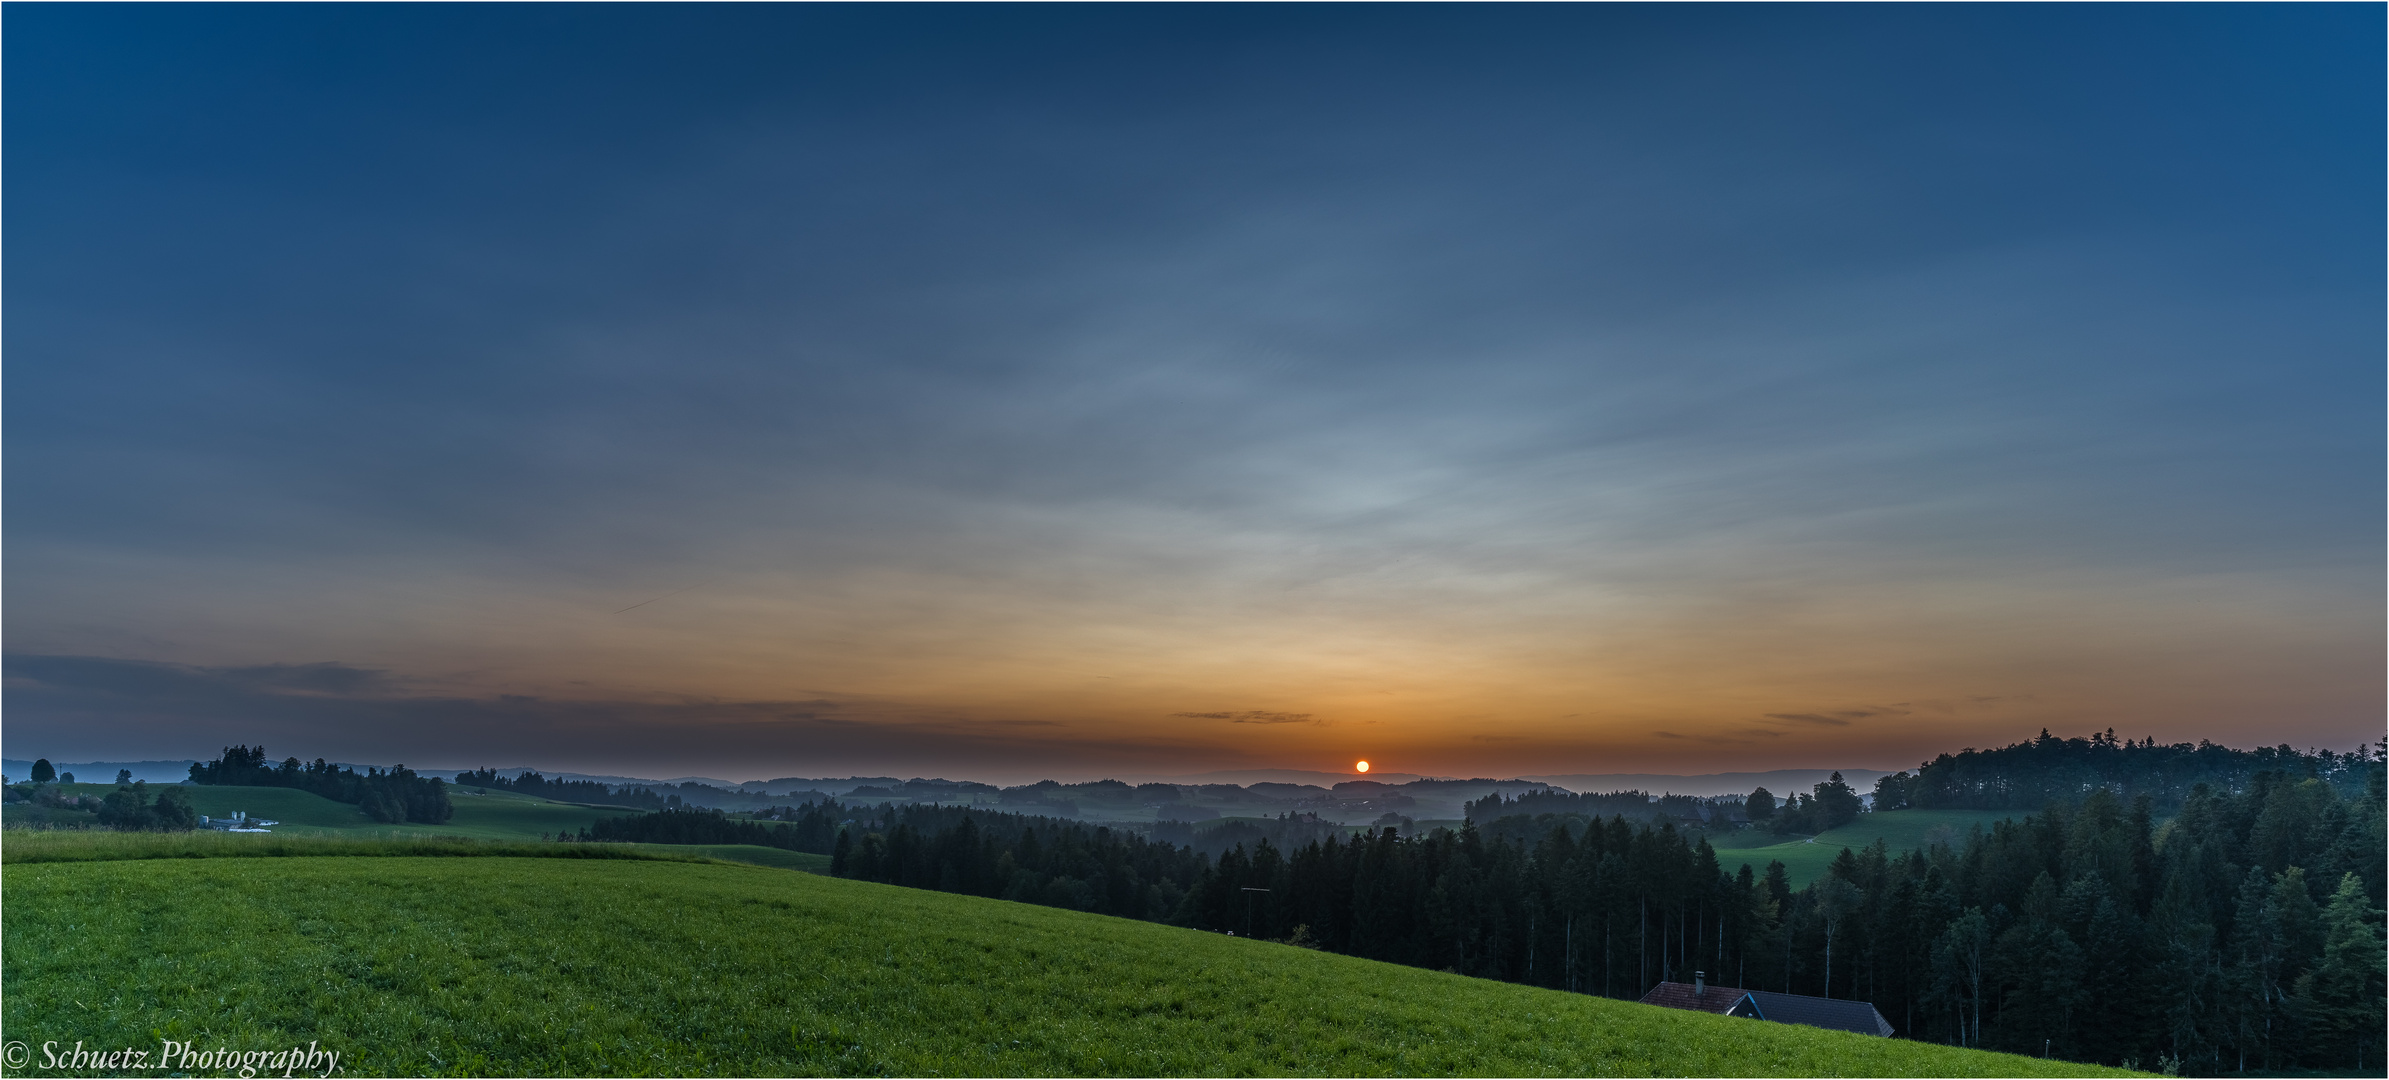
column 1900, row 830
column 294, row 810
column 557, row 966
column 504, row 815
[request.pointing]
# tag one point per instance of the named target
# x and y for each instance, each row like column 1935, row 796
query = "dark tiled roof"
column 1820, row 1012
column 1676, row 995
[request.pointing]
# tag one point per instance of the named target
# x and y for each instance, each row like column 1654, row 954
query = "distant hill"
column 1312, row 777
column 1780, row 781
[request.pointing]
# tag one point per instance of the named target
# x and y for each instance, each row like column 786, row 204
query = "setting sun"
column 1361, row 766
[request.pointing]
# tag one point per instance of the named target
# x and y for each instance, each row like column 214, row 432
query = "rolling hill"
column 580, row 966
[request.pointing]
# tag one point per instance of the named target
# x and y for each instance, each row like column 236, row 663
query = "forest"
column 2241, row 932
column 813, row 831
column 2036, row 772
column 390, row 797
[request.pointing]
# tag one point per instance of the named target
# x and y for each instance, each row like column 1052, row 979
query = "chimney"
column 1700, row 985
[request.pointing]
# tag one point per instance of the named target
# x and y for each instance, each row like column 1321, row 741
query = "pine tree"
column 1959, row 966
column 2341, row 1000
column 2039, row 972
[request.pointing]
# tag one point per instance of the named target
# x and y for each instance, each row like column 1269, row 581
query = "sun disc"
column 1362, row 766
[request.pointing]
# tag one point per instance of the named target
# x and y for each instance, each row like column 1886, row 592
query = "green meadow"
column 1804, row 859
column 580, row 966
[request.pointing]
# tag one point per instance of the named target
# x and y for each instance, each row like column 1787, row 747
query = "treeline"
column 2037, row 772
column 1830, row 805
column 132, row 807
column 2246, row 934
column 1630, row 804
column 812, row 827
column 580, row 791
column 1037, row 860
column 390, row 797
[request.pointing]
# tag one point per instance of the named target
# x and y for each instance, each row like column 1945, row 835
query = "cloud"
column 1770, row 733
column 1809, row 718
column 1839, row 717
column 1665, row 735
column 329, row 678
column 1252, row 717
column 71, row 706
column 143, row 679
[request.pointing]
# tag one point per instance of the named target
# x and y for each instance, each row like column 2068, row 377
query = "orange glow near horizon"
column 990, row 678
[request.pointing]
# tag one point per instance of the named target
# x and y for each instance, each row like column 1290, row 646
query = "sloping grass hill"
column 553, row 966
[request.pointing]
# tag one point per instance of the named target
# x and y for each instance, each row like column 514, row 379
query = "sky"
column 1016, row 392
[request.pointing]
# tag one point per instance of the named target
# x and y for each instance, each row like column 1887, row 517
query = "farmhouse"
column 240, row 821
column 1833, row 1013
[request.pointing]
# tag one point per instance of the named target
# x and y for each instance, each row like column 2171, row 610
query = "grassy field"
column 502, row 815
column 1900, row 830
column 581, row 966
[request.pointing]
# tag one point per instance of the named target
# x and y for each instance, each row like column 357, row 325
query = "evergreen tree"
column 2341, row 999
column 1836, row 804
column 2038, row 967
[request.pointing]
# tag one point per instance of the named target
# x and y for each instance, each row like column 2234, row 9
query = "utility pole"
column 1248, row 909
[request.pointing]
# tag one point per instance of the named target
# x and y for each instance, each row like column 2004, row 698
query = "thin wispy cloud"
column 1252, row 717
column 1810, row 718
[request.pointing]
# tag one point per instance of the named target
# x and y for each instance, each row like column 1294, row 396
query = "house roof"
column 1833, row 1013
column 1676, row 995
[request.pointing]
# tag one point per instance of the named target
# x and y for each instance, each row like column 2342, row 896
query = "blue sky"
column 1012, row 391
